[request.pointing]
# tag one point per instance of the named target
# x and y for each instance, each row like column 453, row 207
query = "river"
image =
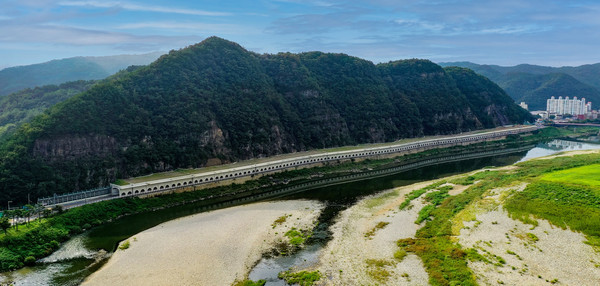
column 86, row 253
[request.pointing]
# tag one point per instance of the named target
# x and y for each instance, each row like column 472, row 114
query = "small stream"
column 86, row 253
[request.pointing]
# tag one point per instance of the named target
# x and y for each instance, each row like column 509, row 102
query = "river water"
column 86, row 253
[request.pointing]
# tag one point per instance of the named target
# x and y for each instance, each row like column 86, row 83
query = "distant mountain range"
column 14, row 79
column 20, row 107
column 217, row 102
column 534, row 84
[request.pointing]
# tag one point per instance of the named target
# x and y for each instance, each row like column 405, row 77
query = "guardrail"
column 64, row 198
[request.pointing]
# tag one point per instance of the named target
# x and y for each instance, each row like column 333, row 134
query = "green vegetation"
column 424, row 213
column 376, row 269
column 417, row 193
column 573, row 206
column 302, row 278
column 22, row 106
column 534, row 84
column 379, row 225
column 469, row 180
column 400, row 254
column 279, row 221
column 567, row 204
column 297, row 237
column 42, row 236
column 124, row 245
column 65, row 70
column 584, row 175
column 216, row 102
column 434, row 198
column 249, row 282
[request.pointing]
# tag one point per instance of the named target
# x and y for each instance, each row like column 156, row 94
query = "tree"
column 9, row 214
column 4, row 224
column 46, row 212
column 27, row 211
column 18, row 213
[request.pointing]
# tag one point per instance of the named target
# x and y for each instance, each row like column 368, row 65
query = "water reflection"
column 556, row 146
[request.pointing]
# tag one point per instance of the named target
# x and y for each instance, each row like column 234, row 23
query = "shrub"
column 400, row 254
column 29, row 260
column 302, row 278
column 124, row 245
column 249, row 282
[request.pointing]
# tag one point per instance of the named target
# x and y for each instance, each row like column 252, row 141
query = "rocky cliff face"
column 215, row 102
column 73, row 147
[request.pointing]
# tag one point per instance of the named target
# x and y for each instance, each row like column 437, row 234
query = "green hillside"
column 20, row 107
column 535, row 84
column 216, row 101
column 55, row 72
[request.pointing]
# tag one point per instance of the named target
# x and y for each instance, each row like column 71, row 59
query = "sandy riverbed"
column 542, row 255
column 213, row 248
column 349, row 249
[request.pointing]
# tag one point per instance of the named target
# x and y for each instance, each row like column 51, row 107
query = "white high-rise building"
column 562, row 106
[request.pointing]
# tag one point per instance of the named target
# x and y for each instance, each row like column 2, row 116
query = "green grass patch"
column 400, row 254
column 376, row 269
column 380, row 275
column 424, row 213
column 417, row 193
column 296, row 237
column 378, row 263
column 249, row 282
column 121, row 182
column 576, row 207
column 280, row 220
column 302, row 278
column 124, row 245
column 584, row 175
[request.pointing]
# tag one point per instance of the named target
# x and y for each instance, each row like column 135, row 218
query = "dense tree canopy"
column 217, row 101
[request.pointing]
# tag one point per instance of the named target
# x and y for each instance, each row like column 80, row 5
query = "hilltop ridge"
column 216, row 102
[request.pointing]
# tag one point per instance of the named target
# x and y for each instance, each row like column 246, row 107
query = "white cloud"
column 140, row 7
column 424, row 25
column 196, row 27
column 527, row 29
column 64, row 35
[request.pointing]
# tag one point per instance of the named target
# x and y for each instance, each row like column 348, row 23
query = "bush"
column 29, row 260
column 124, row 245
column 302, row 278
column 249, row 282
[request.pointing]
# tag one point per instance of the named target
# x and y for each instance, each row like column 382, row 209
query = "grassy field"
column 564, row 191
column 585, row 175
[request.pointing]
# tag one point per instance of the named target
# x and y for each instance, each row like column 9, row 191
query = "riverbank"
column 17, row 245
column 364, row 242
column 376, row 241
column 213, row 248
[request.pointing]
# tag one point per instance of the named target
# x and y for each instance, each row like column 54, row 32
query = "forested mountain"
column 14, row 79
column 535, row 84
column 20, row 107
column 216, row 101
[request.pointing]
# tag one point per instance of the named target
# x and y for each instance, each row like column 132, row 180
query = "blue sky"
column 506, row 32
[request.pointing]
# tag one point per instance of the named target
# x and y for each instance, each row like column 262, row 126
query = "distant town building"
column 524, row 105
column 562, row 106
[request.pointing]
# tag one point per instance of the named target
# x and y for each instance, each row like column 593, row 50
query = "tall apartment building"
column 565, row 105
